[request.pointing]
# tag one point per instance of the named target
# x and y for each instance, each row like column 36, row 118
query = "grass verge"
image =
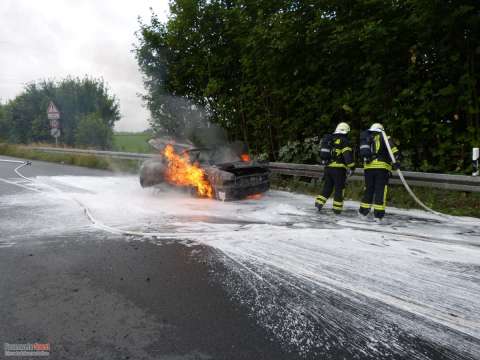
column 90, row 161
column 449, row 202
column 132, row 142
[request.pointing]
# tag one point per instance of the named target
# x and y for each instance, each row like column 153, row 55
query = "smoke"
column 184, row 120
column 180, row 121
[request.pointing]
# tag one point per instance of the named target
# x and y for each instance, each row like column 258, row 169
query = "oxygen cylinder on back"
column 326, row 148
column 366, row 145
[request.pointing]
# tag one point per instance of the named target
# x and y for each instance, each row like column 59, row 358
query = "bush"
column 92, row 131
column 305, row 152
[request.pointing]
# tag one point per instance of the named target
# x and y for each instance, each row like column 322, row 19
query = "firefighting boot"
column 319, row 202
column 364, row 209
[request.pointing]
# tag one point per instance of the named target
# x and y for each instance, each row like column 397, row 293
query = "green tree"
column 3, row 123
column 26, row 117
column 275, row 72
column 93, row 131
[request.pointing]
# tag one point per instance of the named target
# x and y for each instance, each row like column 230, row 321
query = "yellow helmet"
column 342, row 128
column 377, row 127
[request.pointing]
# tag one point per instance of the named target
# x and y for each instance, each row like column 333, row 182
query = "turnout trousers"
column 335, row 179
column 376, row 187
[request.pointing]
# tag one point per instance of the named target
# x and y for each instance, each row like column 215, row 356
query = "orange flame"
column 245, row 157
column 181, row 172
column 254, row 197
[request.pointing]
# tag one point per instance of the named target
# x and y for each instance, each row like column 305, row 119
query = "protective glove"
column 396, row 166
column 350, row 172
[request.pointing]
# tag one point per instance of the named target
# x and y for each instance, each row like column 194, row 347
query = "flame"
column 245, row 157
column 254, row 197
column 181, row 172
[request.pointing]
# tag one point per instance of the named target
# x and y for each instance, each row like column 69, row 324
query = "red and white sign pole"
column 54, row 116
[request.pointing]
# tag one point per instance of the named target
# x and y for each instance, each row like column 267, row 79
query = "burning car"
column 218, row 172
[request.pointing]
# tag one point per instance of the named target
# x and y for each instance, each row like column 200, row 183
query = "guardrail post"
column 475, row 158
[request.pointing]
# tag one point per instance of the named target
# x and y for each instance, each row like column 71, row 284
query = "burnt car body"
column 230, row 177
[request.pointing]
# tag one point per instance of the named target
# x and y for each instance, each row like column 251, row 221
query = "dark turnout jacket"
column 342, row 155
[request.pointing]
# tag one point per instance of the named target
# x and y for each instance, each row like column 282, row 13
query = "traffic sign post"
column 54, row 116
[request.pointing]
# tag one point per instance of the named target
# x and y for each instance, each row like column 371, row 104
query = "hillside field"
column 132, row 142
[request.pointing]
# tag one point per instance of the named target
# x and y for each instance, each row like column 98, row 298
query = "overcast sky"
column 50, row 39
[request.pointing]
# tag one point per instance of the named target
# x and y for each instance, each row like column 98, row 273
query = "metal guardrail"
column 431, row 180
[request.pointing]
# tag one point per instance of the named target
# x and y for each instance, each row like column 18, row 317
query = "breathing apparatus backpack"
column 326, row 148
column 367, row 146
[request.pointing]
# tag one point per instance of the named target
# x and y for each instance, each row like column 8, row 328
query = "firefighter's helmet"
column 377, row 127
column 342, row 128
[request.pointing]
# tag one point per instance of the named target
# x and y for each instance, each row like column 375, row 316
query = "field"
column 132, row 142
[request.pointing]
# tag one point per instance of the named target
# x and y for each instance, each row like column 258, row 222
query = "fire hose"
column 85, row 209
column 22, row 164
column 404, row 182
column 99, row 224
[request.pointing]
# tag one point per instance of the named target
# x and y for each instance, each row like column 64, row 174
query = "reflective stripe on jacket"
column 342, row 153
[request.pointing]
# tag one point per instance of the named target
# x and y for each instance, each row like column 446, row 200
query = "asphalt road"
column 92, row 295
column 267, row 279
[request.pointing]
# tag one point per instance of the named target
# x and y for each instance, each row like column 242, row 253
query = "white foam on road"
column 317, row 281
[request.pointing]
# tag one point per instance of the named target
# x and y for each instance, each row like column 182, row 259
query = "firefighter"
column 377, row 169
column 336, row 154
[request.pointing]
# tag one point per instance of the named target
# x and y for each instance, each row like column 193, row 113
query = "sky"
column 51, row 39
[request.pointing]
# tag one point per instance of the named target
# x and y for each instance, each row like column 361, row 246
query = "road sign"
column 54, row 115
column 52, row 112
column 54, row 124
column 55, row 132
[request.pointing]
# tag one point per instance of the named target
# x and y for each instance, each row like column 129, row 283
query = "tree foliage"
column 277, row 71
column 3, row 123
column 26, row 116
column 92, row 131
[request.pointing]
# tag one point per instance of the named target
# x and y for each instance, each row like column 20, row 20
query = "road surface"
column 257, row 279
